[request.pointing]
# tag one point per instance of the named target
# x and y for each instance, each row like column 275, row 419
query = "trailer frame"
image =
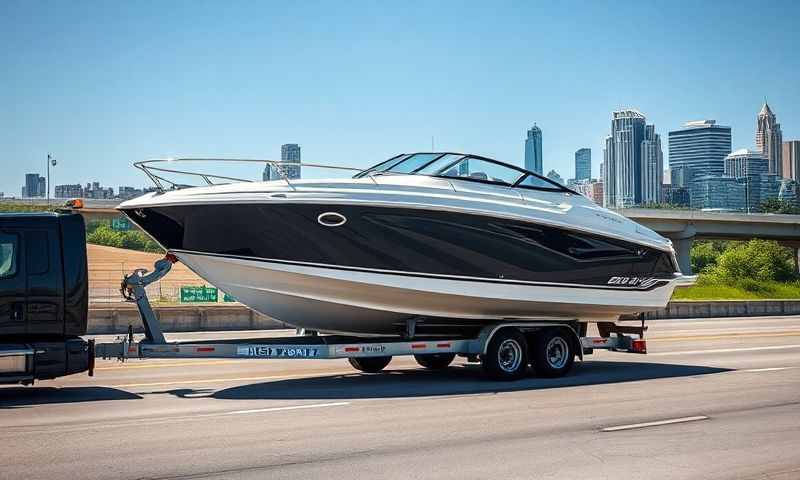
column 570, row 334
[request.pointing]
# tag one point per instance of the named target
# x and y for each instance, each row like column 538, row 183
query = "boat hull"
column 331, row 299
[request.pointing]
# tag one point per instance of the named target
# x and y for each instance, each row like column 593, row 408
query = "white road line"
column 280, row 409
column 769, row 369
column 654, row 424
column 724, row 350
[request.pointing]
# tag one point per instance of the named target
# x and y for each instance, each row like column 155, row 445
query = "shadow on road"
column 456, row 380
column 20, row 397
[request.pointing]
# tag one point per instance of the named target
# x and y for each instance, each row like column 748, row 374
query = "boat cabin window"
column 413, row 162
column 537, row 182
column 439, row 164
column 8, row 255
column 483, row 170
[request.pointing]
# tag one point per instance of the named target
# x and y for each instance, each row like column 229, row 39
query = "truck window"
column 8, row 255
column 38, row 252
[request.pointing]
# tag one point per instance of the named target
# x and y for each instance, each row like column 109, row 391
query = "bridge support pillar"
column 683, row 247
column 796, row 260
column 682, row 242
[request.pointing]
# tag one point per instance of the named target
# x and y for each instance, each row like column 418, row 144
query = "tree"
column 774, row 205
column 754, row 261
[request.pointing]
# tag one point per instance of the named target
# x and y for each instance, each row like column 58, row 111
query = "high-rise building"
column 583, row 164
column 745, row 163
column 698, row 149
column 789, row 192
column 652, row 170
column 625, row 169
column 290, row 152
column 791, row 160
column 34, row 185
column 710, row 192
column 533, row 150
column 751, row 170
column 554, row 176
column 69, row 191
column 769, row 139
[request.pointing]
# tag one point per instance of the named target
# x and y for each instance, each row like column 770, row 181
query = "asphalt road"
column 714, row 399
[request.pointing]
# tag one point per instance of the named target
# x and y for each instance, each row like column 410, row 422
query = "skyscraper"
column 583, row 164
column 32, row 182
column 751, row 170
column 698, row 149
column 791, row 160
column 554, row 176
column 290, row 152
column 533, row 150
column 769, row 139
column 652, row 175
column 625, row 169
column 745, row 163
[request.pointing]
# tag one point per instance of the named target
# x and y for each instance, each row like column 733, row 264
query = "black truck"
column 44, row 297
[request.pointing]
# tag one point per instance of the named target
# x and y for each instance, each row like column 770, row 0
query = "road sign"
column 228, row 298
column 120, row 224
column 199, row 294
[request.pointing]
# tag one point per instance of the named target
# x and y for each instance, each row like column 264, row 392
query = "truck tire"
column 553, row 353
column 369, row 364
column 435, row 361
column 506, row 356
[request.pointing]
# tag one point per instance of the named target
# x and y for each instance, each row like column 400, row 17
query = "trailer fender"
column 487, row 332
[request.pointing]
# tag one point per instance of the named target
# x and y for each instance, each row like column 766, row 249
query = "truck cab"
column 43, row 297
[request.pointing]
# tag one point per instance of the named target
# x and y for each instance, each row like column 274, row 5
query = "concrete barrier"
column 726, row 308
column 115, row 319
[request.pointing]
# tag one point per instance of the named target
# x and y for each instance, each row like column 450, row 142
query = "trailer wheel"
column 435, row 361
column 506, row 355
column 369, row 364
column 553, row 353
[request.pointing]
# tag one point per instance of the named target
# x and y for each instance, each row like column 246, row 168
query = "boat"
column 448, row 241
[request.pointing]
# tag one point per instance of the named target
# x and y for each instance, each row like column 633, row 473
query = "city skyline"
column 220, row 95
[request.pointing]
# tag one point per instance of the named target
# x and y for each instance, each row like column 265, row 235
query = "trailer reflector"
column 205, row 349
column 639, row 345
column 351, row 349
column 417, row 345
column 442, row 345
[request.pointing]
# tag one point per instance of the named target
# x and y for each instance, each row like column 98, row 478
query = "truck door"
column 13, row 283
column 45, row 281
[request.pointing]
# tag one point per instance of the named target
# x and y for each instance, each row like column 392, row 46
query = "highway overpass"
column 683, row 227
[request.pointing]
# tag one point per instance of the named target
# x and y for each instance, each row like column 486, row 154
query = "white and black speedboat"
column 448, row 239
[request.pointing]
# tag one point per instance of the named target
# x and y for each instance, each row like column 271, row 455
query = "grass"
column 766, row 291
column 10, row 207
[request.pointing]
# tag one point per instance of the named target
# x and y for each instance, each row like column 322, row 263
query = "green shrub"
column 104, row 235
column 757, row 260
column 705, row 254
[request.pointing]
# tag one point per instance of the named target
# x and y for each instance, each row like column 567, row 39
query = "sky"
column 103, row 84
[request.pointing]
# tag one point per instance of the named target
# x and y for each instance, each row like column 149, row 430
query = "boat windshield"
column 464, row 167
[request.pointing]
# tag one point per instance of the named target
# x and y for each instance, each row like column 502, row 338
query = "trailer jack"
column 133, row 290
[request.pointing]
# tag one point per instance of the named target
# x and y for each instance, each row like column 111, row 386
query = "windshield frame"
column 387, row 164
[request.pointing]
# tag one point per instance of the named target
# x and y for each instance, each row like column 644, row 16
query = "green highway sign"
column 120, row 224
column 228, row 298
column 199, row 294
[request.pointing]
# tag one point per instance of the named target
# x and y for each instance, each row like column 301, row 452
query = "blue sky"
column 102, row 84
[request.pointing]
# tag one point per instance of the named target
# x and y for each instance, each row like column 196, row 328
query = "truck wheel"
column 506, row 355
column 369, row 364
column 435, row 361
column 553, row 353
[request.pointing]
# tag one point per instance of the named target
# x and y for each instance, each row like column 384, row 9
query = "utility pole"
column 50, row 159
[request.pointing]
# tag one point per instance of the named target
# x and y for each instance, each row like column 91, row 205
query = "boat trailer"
column 505, row 348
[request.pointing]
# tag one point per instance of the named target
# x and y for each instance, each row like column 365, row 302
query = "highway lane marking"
column 280, row 409
column 657, row 423
column 724, row 336
column 768, row 369
column 216, row 380
column 49, row 429
column 724, row 350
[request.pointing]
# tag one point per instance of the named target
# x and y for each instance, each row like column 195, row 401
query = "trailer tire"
column 552, row 352
column 369, row 364
column 435, row 361
column 506, row 356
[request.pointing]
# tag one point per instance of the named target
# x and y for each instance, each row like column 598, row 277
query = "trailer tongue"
column 504, row 349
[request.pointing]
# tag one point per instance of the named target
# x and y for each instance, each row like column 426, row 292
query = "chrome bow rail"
column 155, row 173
